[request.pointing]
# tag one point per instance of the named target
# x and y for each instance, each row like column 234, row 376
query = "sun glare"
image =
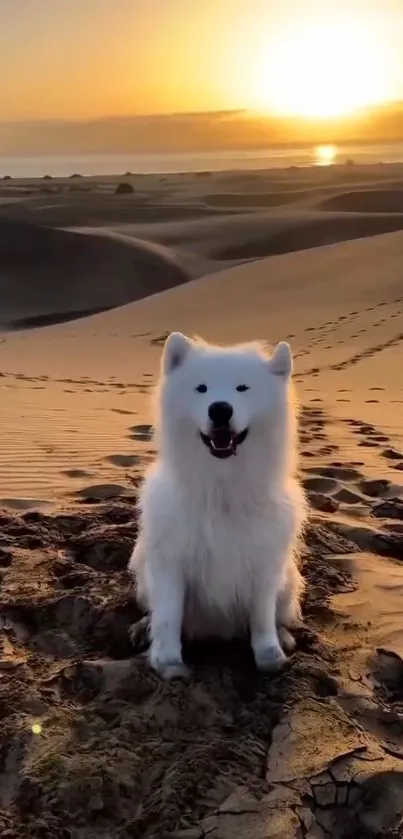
column 323, row 71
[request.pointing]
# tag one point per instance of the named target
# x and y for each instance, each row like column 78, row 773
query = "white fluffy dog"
column 220, row 509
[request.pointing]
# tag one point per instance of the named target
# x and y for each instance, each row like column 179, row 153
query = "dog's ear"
column 281, row 360
column 176, row 349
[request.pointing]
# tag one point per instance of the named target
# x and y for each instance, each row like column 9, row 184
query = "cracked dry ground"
column 93, row 744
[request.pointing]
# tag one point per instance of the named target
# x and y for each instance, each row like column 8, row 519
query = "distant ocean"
column 117, row 164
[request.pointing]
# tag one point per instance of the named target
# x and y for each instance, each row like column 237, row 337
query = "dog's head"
column 222, row 395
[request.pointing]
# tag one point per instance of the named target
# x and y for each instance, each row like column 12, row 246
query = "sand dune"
column 315, row 752
column 308, row 231
column 47, row 276
column 85, row 369
column 222, row 218
column 368, row 201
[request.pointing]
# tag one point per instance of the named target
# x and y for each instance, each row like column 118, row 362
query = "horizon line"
column 230, row 112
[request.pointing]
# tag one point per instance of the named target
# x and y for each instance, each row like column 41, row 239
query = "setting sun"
column 324, row 71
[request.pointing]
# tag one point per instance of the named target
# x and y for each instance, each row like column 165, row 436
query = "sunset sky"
column 89, row 58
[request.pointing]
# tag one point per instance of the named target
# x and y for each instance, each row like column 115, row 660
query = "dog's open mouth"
column 223, row 442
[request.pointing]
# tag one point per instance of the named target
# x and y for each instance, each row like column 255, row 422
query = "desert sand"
column 92, row 743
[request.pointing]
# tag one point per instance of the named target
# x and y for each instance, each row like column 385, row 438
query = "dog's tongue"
column 222, row 438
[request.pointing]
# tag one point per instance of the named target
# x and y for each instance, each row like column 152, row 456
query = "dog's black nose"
column 220, row 413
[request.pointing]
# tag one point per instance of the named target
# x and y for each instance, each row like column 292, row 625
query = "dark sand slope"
column 47, row 276
column 245, row 236
column 367, row 201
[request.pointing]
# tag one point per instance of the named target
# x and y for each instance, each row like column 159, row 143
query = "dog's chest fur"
column 228, row 538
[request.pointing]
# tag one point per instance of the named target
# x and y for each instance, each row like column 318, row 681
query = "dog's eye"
column 201, row 388
column 242, row 388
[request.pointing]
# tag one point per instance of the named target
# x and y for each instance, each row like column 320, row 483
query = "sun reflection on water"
column 325, row 155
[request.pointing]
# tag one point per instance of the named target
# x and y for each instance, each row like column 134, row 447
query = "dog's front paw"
column 268, row 655
column 139, row 634
column 169, row 667
column 287, row 640
column 174, row 670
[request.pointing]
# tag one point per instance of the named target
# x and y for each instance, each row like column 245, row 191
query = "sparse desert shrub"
column 47, row 177
column 76, row 175
column 124, row 189
column 7, row 178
